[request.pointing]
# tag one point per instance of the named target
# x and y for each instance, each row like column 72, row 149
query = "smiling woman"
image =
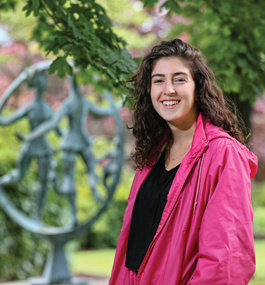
column 189, row 213
column 173, row 98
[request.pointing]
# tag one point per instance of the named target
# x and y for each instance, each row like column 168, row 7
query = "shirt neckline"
column 163, row 163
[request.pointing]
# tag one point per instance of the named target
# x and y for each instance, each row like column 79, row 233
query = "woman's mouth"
column 171, row 103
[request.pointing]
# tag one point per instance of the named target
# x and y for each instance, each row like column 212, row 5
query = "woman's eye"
column 158, row 81
column 179, row 80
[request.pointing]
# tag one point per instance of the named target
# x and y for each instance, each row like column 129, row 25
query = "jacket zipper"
column 199, row 182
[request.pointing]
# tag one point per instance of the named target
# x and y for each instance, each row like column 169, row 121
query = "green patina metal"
column 76, row 141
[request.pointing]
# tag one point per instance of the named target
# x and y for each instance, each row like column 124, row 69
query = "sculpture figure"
column 75, row 142
column 36, row 112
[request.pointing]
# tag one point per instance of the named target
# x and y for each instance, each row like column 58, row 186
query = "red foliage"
column 15, row 48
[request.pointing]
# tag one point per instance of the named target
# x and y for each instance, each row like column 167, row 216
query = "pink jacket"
column 205, row 234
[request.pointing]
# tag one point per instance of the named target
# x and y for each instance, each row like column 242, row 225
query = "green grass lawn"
column 94, row 262
column 99, row 262
column 259, row 276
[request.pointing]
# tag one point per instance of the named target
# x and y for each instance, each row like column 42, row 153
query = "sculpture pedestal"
column 56, row 269
column 72, row 281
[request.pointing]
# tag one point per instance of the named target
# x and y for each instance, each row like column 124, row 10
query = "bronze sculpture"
column 75, row 142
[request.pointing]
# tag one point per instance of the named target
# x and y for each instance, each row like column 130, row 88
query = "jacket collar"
column 199, row 140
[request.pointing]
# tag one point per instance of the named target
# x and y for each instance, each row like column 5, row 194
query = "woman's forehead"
column 171, row 65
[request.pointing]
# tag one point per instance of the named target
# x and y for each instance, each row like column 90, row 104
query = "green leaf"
column 149, row 3
column 173, row 6
column 28, row 9
column 62, row 67
column 71, row 23
column 36, row 4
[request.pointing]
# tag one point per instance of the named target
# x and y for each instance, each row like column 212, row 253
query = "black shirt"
column 147, row 212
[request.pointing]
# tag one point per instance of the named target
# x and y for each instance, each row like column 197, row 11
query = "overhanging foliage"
column 79, row 30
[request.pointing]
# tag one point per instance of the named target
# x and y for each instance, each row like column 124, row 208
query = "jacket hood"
column 213, row 132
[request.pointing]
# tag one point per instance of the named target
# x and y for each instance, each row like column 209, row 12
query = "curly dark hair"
column 148, row 127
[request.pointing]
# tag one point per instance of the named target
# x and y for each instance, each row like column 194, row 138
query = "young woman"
column 189, row 214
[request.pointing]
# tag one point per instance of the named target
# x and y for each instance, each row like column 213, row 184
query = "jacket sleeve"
column 226, row 244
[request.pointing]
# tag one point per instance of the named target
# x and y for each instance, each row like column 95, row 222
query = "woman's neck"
column 182, row 137
column 179, row 145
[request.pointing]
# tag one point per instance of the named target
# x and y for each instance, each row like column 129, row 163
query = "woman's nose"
column 169, row 88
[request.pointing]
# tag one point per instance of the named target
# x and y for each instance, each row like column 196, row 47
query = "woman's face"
column 173, row 92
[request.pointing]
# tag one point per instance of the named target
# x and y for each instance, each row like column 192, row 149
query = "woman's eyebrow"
column 174, row 74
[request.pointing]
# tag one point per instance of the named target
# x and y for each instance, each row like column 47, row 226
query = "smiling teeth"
column 170, row 103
